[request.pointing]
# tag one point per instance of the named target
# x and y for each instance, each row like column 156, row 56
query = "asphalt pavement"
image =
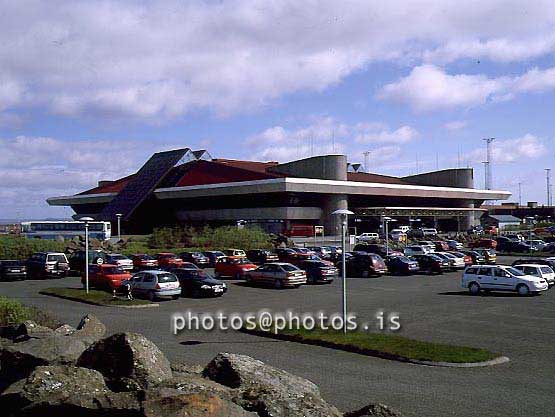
column 431, row 308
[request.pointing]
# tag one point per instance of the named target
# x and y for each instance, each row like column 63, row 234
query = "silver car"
column 155, row 284
column 120, row 260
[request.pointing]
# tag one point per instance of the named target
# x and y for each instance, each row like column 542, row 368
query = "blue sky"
column 88, row 90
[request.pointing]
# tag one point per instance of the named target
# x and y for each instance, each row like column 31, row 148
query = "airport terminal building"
column 190, row 187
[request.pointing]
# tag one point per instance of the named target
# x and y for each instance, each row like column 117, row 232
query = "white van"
column 541, row 271
column 429, row 231
column 368, row 237
column 501, row 278
column 404, row 229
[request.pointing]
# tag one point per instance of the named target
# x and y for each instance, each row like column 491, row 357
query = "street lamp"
column 118, row 215
column 386, row 221
column 343, row 214
column 86, row 220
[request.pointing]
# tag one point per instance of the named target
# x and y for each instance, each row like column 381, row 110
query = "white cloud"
column 429, row 87
column 527, row 147
column 455, row 125
column 166, row 59
column 327, row 135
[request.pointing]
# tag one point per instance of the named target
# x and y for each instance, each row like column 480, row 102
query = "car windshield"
column 168, row 256
column 317, row 264
column 289, row 268
column 546, row 270
column 56, row 258
column 11, row 263
column 145, row 257
column 404, row 259
column 117, row 257
column 435, row 257
column 113, row 270
column 162, row 278
column 239, row 261
column 515, row 272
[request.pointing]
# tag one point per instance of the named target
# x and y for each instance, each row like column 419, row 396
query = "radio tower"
column 548, row 184
column 366, row 154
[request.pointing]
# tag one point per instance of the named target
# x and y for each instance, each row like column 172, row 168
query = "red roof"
column 382, row 179
column 214, row 172
column 248, row 165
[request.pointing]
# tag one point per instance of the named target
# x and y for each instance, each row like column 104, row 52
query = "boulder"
column 186, row 368
column 31, row 330
column 374, row 410
column 90, row 329
column 66, row 391
column 127, row 355
column 267, row 390
column 65, row 330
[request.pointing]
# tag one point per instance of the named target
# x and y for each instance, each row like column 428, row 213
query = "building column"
column 332, row 202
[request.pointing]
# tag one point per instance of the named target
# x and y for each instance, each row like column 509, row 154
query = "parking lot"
column 430, row 307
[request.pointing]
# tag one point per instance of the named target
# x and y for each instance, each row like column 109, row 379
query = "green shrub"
column 18, row 247
column 13, row 312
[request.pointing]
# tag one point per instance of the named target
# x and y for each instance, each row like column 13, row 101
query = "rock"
column 187, row 369
column 127, row 355
column 65, row 330
column 31, row 330
column 90, row 329
column 66, row 391
column 178, row 404
column 374, row 410
column 267, row 390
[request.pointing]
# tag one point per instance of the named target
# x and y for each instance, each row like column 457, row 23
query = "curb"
column 79, row 300
column 375, row 353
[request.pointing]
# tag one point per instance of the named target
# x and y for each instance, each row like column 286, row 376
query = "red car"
column 441, row 246
column 289, row 255
column 144, row 261
column 168, row 260
column 484, row 244
column 105, row 276
column 233, row 267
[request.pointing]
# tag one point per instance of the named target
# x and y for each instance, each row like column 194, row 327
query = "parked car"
column 455, row 262
column 536, row 245
column 549, row 247
column 441, row 246
column 213, row 256
column 454, row 245
column 504, row 243
column 198, row 258
column 277, row 275
column 154, row 284
column 432, row 263
column 239, row 253
column 197, row 283
column 261, row 256
column 368, row 237
column 428, row 244
column 120, row 260
column 289, row 255
column 477, row 257
column 77, row 259
column 47, row 264
column 429, row 232
column 12, row 270
column 106, row 276
column 501, row 278
column 483, row 244
column 401, row 265
column 519, row 247
column 231, row 266
column 318, row 271
column 363, row 264
column 536, row 261
column 397, row 235
column 144, row 261
column 489, row 255
column 542, row 271
column 168, row 260
column 323, row 252
column 467, row 259
column 378, row 249
column 416, row 250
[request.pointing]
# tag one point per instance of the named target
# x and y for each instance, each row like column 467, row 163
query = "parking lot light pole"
column 118, row 215
column 343, row 215
column 86, row 220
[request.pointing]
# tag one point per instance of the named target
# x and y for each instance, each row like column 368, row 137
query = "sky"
column 90, row 89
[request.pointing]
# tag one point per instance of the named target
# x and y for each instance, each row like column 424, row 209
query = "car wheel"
column 365, row 274
column 175, row 297
column 474, row 288
column 311, row 280
column 151, row 296
column 238, row 275
column 278, row 284
column 248, row 279
column 216, row 275
column 523, row 290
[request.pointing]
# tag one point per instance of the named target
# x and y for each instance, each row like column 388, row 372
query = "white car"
column 397, row 234
column 120, row 260
column 429, row 231
column 416, row 250
column 155, row 284
column 368, row 237
column 501, row 278
column 541, row 271
column 456, row 262
column 431, row 246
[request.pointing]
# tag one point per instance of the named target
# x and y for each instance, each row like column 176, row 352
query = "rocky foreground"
column 80, row 372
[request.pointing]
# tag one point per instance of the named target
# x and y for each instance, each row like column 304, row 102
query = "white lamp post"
column 118, row 215
column 386, row 221
column 86, row 220
column 343, row 214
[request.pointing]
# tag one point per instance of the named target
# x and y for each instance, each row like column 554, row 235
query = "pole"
column 119, row 226
column 548, row 185
column 344, row 272
column 386, row 238
column 87, row 257
column 519, row 194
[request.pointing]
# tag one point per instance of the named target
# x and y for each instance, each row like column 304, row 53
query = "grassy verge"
column 94, row 297
column 385, row 346
column 12, row 312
